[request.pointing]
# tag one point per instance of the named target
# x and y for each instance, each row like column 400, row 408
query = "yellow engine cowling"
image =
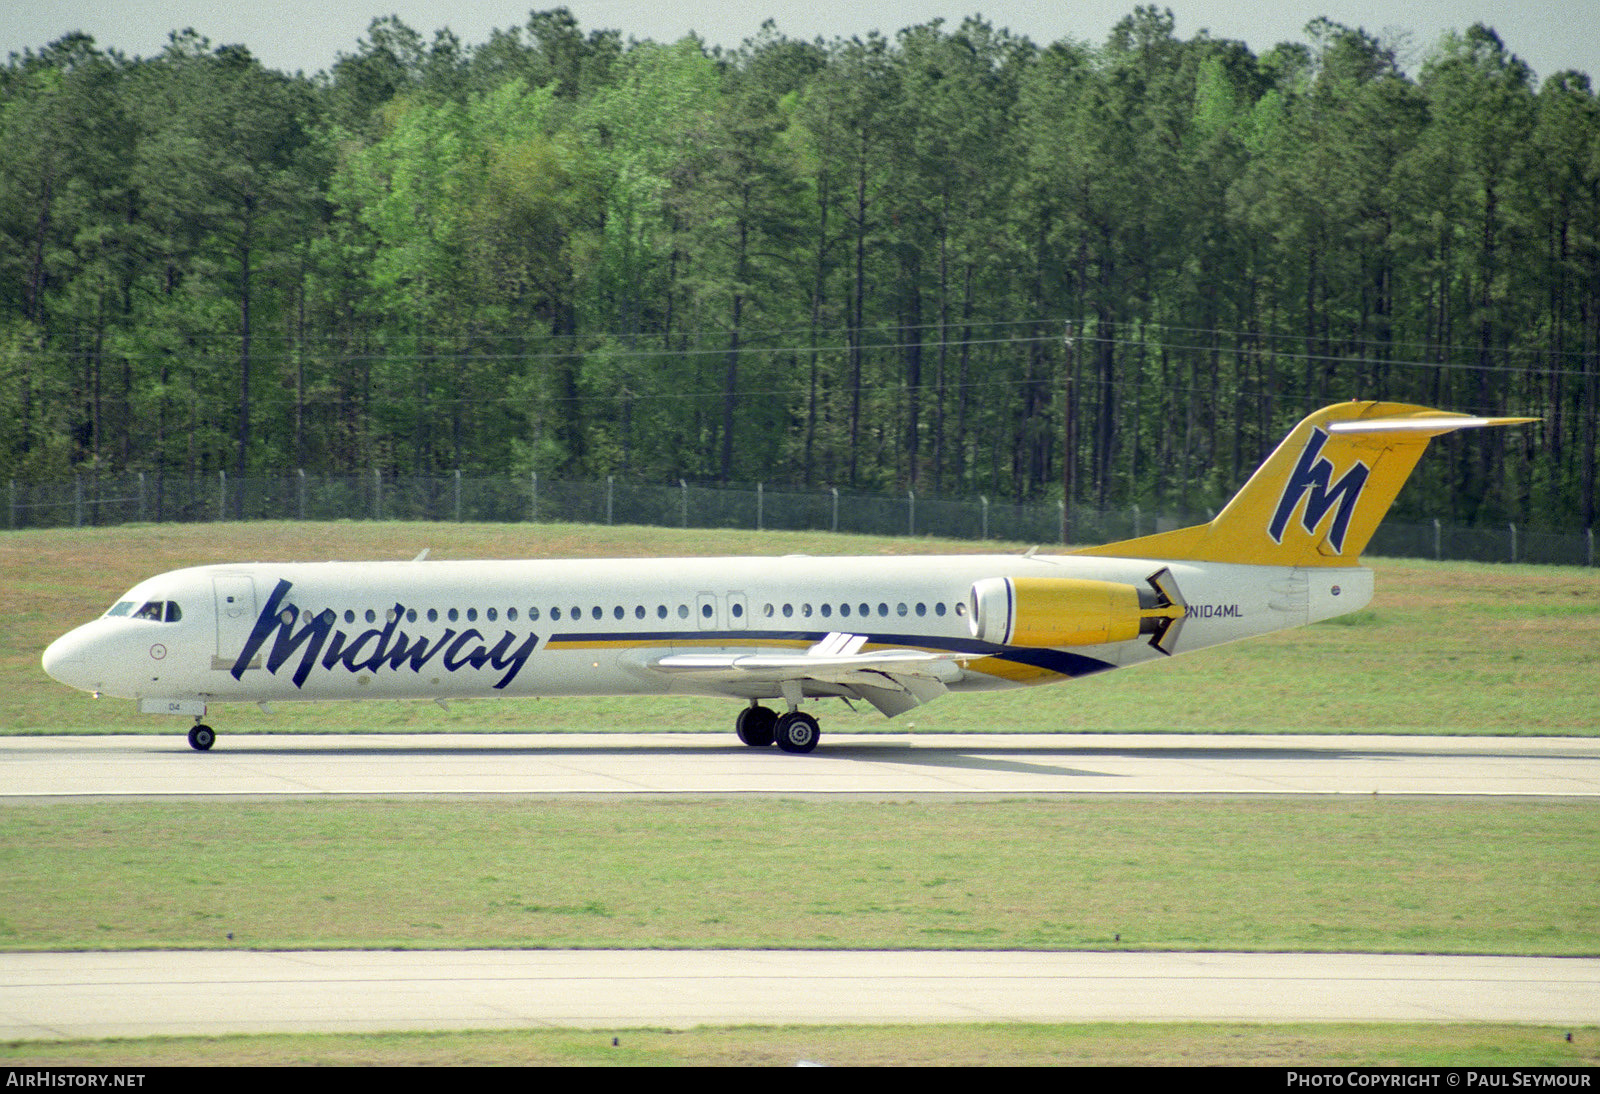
column 1053, row 611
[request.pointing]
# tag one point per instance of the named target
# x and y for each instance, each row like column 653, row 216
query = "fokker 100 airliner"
column 894, row 632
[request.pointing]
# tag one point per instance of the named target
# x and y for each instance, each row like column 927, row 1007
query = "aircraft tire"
column 798, row 732
column 754, row 726
column 201, row 738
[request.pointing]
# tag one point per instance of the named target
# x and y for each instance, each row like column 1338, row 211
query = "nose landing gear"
column 202, row 737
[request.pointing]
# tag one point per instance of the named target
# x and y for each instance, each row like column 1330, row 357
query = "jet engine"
column 1064, row 611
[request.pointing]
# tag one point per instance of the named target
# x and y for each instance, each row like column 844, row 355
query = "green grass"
column 1446, row 648
column 1371, row 875
column 1108, row 1044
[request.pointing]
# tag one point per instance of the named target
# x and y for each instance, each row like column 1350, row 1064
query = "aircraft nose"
column 67, row 660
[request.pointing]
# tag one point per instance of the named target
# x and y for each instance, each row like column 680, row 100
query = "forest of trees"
column 938, row 261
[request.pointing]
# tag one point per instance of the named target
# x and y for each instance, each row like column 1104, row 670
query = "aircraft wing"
column 894, row 681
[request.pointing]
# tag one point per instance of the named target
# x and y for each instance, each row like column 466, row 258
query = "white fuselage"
column 265, row 632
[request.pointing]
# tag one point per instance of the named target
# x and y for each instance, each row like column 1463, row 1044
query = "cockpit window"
column 157, row 610
column 121, row 608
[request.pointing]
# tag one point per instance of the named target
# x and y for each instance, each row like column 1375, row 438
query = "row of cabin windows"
column 618, row 612
column 863, row 610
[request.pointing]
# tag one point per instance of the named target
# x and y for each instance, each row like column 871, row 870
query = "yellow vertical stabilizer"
column 1319, row 497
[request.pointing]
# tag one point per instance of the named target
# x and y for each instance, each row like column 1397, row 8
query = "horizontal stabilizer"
column 1431, row 424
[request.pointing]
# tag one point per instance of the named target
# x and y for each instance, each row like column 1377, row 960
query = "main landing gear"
column 759, row 726
column 202, row 737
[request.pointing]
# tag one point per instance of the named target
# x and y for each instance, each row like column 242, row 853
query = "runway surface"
column 53, row 768
column 52, row 996
column 49, row 995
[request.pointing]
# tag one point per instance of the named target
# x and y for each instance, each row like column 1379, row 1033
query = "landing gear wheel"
column 754, row 726
column 797, row 731
column 202, row 738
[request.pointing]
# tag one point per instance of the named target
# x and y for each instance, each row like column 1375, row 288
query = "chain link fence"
column 109, row 500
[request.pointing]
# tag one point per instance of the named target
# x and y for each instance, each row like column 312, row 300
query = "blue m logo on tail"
column 1312, row 479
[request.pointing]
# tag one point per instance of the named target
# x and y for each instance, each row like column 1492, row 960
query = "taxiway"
column 55, row 996
column 667, row 764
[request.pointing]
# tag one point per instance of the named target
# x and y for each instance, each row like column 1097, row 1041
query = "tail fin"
column 1320, row 495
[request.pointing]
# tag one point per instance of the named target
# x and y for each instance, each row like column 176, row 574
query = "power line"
column 1145, row 344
